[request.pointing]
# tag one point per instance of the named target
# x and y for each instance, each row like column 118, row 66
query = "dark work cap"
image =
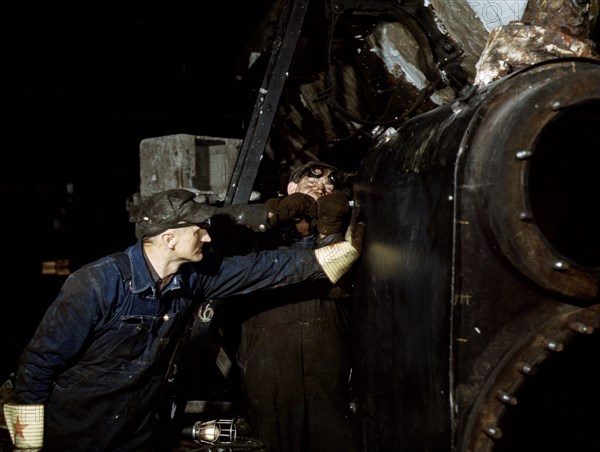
column 171, row 209
column 317, row 169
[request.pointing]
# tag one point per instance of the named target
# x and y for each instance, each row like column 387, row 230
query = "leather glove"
column 26, row 425
column 332, row 210
column 291, row 207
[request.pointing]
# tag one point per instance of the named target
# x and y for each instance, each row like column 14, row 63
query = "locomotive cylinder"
column 481, row 259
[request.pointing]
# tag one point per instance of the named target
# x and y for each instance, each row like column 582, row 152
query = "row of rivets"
column 524, row 154
column 493, row 431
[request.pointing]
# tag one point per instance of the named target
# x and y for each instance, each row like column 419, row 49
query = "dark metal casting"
column 481, row 261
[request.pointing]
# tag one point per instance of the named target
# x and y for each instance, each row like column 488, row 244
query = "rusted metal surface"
column 548, row 29
column 575, row 18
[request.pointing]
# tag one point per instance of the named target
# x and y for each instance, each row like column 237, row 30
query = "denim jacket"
column 99, row 357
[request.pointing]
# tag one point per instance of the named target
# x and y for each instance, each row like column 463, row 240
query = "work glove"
column 26, row 426
column 336, row 259
column 332, row 211
column 292, row 207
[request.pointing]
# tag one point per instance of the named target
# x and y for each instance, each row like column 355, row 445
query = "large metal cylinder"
column 481, row 261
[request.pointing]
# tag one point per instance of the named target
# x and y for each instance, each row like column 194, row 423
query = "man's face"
column 190, row 241
column 315, row 185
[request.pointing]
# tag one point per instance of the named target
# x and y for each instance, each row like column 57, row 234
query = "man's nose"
column 321, row 186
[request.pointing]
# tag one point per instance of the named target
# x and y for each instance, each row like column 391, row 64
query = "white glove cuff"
column 336, row 259
column 26, row 425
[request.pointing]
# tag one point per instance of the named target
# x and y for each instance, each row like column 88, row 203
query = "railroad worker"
column 294, row 352
column 90, row 379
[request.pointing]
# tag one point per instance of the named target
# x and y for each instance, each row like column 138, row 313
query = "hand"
column 332, row 211
column 292, row 207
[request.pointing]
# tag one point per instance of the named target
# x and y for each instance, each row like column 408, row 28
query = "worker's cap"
column 170, row 209
column 317, row 170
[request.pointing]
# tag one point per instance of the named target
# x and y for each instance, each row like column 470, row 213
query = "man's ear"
column 292, row 187
column 168, row 239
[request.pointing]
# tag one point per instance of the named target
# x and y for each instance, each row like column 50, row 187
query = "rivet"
column 494, row 432
column 526, row 216
column 507, row 398
column 560, row 265
column 554, row 346
column 526, row 368
column 338, row 7
column 522, row 155
column 580, row 327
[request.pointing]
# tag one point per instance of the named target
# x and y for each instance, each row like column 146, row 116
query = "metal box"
column 187, row 161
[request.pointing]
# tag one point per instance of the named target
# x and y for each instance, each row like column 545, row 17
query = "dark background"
column 84, row 83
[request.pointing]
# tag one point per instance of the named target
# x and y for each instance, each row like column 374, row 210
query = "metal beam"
column 251, row 151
